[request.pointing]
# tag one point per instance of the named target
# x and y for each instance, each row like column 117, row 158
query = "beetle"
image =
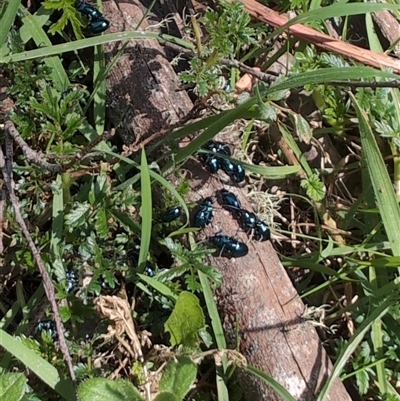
column 171, row 214
column 89, row 11
column 247, row 219
column 230, row 245
column 204, row 214
column 239, row 173
column 217, row 147
column 213, row 163
column 148, row 270
column 133, row 257
column 72, row 280
column 262, row 232
column 228, row 167
column 251, row 222
column 99, row 25
column 229, row 200
column 47, row 325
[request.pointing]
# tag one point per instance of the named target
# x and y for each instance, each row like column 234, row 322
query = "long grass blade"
column 39, row 366
column 55, row 50
column 58, row 219
column 281, row 391
column 381, row 183
column 146, row 210
column 351, row 346
column 7, row 19
column 335, row 10
column 58, row 74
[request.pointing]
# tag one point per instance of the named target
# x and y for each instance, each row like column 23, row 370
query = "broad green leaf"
column 41, row 16
column 100, row 389
column 178, row 377
column 185, row 321
column 362, row 378
column 12, row 386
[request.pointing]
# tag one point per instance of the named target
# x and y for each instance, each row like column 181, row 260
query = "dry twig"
column 6, row 166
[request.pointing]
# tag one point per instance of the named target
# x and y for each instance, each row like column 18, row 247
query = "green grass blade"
column 146, row 210
column 219, row 335
column 279, row 172
column 329, row 75
column 224, row 120
column 352, row 344
column 377, row 338
column 156, row 177
column 58, row 74
column 10, row 316
column 99, row 83
column 55, row 50
column 223, row 394
column 41, row 16
column 373, row 39
column 382, row 185
column 281, row 391
column 40, row 367
column 212, row 311
column 7, row 19
column 160, row 287
column 58, row 218
column 335, row 10
column 288, row 137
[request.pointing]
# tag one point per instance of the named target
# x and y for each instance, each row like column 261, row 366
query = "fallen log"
column 256, row 289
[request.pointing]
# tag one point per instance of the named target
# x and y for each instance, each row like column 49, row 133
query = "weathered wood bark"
column 256, row 288
column 258, row 293
column 143, row 93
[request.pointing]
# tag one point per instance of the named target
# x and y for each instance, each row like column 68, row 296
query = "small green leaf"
column 100, row 389
column 178, row 377
column 186, row 320
column 362, row 381
column 12, row 386
column 314, row 187
column 101, row 223
column 78, row 215
column 267, row 112
column 302, row 127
